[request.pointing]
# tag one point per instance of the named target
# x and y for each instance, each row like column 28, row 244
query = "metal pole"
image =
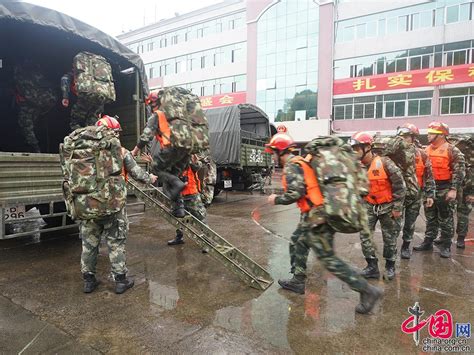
column 137, row 104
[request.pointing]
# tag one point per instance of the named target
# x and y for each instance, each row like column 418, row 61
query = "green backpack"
column 93, row 78
column 342, row 182
column 92, row 163
column 404, row 156
column 188, row 124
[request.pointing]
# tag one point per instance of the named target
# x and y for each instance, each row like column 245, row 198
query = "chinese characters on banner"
column 234, row 98
column 411, row 79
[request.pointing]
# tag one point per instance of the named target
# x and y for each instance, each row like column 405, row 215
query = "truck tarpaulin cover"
column 228, row 125
column 20, row 12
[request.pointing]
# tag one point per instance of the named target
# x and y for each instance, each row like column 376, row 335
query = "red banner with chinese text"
column 408, row 79
column 234, row 98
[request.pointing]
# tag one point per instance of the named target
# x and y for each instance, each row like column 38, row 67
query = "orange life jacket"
column 380, row 186
column 163, row 134
column 313, row 196
column 194, row 184
column 440, row 162
column 420, row 168
column 124, row 171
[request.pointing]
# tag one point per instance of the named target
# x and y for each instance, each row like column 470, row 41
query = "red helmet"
column 153, row 98
column 279, row 142
column 282, row 129
column 408, row 129
column 438, row 128
column 360, row 138
column 110, row 122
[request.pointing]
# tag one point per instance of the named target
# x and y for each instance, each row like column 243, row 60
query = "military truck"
column 237, row 137
column 52, row 39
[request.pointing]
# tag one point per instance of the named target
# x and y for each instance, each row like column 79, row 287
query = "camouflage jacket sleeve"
column 296, row 186
column 134, row 170
column 398, row 184
column 429, row 188
column 458, row 167
column 66, row 81
column 469, row 179
column 149, row 131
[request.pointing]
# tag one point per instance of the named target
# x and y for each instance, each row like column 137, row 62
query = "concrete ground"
column 186, row 302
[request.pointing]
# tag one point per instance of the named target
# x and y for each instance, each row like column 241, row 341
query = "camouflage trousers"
column 367, row 237
column 171, row 160
column 390, row 229
column 27, row 117
column 321, row 240
column 440, row 217
column 462, row 213
column 302, row 254
column 84, row 113
column 195, row 207
column 411, row 211
column 207, row 194
column 114, row 230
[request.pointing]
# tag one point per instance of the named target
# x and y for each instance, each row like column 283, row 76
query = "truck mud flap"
column 232, row 258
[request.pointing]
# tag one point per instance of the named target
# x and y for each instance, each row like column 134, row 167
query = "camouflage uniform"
column 320, row 239
column 208, row 177
column 390, row 226
column 464, row 208
column 83, row 112
column 440, row 215
column 34, row 97
column 413, row 204
column 113, row 229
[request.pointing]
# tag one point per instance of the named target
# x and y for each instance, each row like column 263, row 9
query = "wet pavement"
column 186, row 302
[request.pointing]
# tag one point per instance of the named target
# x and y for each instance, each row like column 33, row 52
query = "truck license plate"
column 227, row 184
column 14, row 212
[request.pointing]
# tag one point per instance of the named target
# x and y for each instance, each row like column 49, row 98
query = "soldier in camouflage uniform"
column 84, row 112
column 191, row 197
column 384, row 200
column 182, row 131
column 448, row 170
column 425, row 180
column 465, row 198
column 208, row 177
column 319, row 238
column 34, row 96
column 113, row 228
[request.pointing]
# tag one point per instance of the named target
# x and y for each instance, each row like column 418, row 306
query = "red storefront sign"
column 234, row 98
column 409, row 79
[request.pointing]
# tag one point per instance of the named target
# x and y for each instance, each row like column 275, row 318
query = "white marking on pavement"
column 32, row 341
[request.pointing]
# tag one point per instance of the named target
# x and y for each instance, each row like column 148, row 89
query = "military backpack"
column 92, row 164
column 33, row 87
column 342, row 182
column 93, row 78
column 188, row 124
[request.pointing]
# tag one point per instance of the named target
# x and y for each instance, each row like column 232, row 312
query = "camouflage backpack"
column 93, row 78
column 342, row 182
column 32, row 85
column 404, row 156
column 188, row 124
column 92, row 163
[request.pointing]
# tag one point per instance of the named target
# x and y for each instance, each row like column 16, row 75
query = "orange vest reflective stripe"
column 420, row 168
column 313, row 196
column 124, row 171
column 440, row 162
column 380, row 186
column 164, row 132
column 194, row 184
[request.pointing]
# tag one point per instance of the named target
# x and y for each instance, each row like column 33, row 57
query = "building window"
column 174, row 39
column 457, row 101
column 150, row 46
column 150, row 72
column 452, row 14
column 200, row 32
column 163, row 42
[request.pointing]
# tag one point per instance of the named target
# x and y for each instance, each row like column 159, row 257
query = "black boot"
column 389, row 270
column 90, row 282
column 445, row 250
column 460, row 242
column 172, row 185
column 371, row 271
column 122, row 283
column 405, row 252
column 295, row 284
column 368, row 298
column 437, row 241
column 426, row 245
column 178, row 239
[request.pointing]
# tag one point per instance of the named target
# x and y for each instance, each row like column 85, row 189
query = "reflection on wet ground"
column 185, row 301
